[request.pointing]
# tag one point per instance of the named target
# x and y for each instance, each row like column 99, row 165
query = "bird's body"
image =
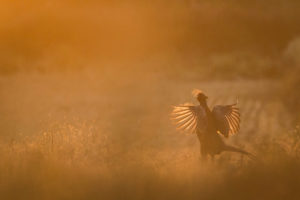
column 211, row 144
column 209, row 125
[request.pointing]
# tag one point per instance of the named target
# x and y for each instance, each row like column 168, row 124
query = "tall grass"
column 76, row 161
column 86, row 89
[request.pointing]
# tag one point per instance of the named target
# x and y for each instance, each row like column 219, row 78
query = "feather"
column 227, row 119
column 188, row 117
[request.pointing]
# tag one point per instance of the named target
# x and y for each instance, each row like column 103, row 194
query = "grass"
column 86, row 89
column 80, row 163
column 86, row 136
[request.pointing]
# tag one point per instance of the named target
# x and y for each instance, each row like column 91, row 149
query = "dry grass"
column 85, row 136
column 82, row 163
column 86, row 88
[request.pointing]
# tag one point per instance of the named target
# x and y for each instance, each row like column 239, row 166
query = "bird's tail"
column 234, row 149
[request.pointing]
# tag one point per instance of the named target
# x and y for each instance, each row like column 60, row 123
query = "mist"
column 87, row 88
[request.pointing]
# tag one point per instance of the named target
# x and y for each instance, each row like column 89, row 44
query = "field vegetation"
column 86, row 89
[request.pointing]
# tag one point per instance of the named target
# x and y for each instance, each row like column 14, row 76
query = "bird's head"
column 201, row 97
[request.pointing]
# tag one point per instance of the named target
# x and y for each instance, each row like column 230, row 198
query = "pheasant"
column 209, row 125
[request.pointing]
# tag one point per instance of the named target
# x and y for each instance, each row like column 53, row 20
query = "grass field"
column 82, row 135
column 87, row 88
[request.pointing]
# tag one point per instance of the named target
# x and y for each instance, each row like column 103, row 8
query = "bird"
column 211, row 126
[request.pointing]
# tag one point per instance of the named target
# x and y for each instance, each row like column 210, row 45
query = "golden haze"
column 86, row 89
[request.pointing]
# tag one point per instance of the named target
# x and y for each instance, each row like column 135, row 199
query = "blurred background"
column 86, row 89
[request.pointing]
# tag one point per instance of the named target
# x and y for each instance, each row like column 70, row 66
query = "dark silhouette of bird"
column 209, row 125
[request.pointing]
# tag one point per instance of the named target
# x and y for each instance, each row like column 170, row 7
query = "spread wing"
column 227, row 119
column 188, row 117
